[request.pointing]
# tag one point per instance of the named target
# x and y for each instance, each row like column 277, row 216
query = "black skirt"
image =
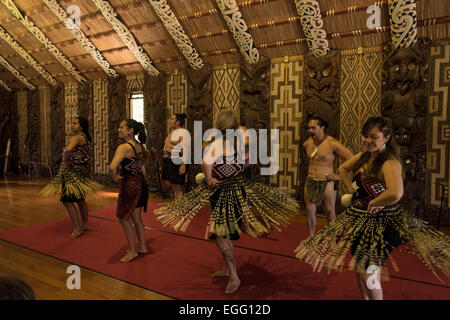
column 170, row 172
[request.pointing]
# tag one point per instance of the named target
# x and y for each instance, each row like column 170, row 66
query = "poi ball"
column 346, row 200
column 200, row 178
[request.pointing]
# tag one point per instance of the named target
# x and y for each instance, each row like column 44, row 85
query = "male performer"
column 321, row 183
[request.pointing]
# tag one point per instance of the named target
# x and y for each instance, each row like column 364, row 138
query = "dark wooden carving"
column 405, row 78
column 255, row 94
column 8, row 130
column 155, row 120
column 321, row 97
column 255, row 102
column 117, row 89
column 85, row 110
column 34, row 130
column 199, row 108
column 57, row 125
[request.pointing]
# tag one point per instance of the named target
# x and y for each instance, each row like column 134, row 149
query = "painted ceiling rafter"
column 312, row 22
column 124, row 33
column 238, row 27
column 4, row 85
column 27, row 57
column 176, row 31
column 81, row 37
column 403, row 17
column 16, row 73
column 39, row 35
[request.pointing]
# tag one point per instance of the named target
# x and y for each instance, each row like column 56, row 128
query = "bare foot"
column 142, row 251
column 232, row 285
column 76, row 233
column 129, row 256
column 85, row 227
column 221, row 273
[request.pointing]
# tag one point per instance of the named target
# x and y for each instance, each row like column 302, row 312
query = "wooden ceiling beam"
column 124, row 33
column 238, row 27
column 40, row 36
column 177, row 32
column 26, row 56
column 4, row 85
column 16, row 73
column 81, row 37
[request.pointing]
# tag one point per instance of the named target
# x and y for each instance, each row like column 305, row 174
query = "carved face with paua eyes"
column 403, row 70
column 321, row 77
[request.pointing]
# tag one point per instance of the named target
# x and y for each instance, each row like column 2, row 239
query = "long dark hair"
column 391, row 146
column 138, row 128
column 180, row 117
column 84, row 124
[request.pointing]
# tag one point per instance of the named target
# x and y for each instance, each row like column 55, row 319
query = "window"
column 137, row 107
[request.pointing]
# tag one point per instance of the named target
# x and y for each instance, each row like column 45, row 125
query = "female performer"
column 72, row 182
column 230, row 196
column 374, row 224
column 174, row 173
column 133, row 194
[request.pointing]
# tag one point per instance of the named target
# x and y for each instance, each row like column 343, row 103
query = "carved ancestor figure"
column 255, row 103
column 155, row 120
column 57, row 125
column 199, row 107
column 117, row 110
column 85, row 98
column 405, row 76
column 33, row 140
column 255, row 94
column 321, row 97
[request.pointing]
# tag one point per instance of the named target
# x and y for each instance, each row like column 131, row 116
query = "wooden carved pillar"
column 321, row 97
column 117, row 89
column 33, row 138
column 155, row 120
column 405, row 78
column 8, row 130
column 199, row 108
column 255, row 103
column 57, row 125
column 85, row 110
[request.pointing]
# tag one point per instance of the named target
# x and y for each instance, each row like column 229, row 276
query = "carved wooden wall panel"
column 33, row 140
column 320, row 97
column 155, row 119
column 405, row 79
column 255, row 101
column 199, row 107
column 57, row 117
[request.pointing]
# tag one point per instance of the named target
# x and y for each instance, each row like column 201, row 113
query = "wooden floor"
column 20, row 206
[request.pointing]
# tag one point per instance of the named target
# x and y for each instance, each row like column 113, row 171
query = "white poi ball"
column 346, row 200
column 200, row 178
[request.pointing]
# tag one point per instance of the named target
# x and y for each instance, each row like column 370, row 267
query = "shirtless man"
column 321, row 183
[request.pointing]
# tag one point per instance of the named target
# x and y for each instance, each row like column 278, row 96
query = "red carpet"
column 180, row 264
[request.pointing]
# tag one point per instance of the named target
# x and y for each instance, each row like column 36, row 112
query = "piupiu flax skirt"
column 371, row 239
column 72, row 184
column 235, row 202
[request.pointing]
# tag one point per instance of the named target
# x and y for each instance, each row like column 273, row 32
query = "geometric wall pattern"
column 100, row 130
column 360, row 94
column 135, row 82
column 286, row 87
column 176, row 94
column 22, row 112
column 45, row 133
column 438, row 136
column 226, row 86
column 70, row 107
